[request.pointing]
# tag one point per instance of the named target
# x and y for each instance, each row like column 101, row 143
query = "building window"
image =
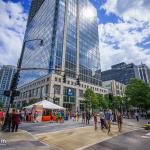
column 59, row 79
column 47, row 89
column 55, row 78
column 57, row 89
column 81, row 94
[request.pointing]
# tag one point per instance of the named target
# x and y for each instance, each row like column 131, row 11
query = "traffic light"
column 64, row 78
column 15, row 81
column 7, row 93
column 78, row 81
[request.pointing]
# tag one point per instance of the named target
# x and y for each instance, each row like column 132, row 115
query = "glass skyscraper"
column 69, row 30
column 6, row 75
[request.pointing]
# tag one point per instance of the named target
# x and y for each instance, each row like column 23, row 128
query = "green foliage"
column 1, row 104
column 103, row 101
column 138, row 93
column 117, row 101
column 91, row 100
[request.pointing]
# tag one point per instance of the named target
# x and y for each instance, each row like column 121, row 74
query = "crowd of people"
column 104, row 117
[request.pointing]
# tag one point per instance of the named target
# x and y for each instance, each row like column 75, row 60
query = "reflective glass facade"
column 6, row 75
column 79, row 18
column 89, row 57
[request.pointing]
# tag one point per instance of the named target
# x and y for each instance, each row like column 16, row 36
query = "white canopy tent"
column 46, row 105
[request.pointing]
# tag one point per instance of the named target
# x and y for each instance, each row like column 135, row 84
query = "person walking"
column 58, row 116
column 83, row 117
column 88, row 116
column 35, row 116
column 137, row 116
column 1, row 117
column 108, row 120
column 76, row 116
column 15, row 120
column 102, row 119
column 95, row 120
column 119, row 120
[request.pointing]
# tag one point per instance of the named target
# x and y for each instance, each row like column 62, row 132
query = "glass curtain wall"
column 89, row 57
column 70, row 62
column 36, row 56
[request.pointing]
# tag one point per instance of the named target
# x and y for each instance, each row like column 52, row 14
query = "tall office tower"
column 121, row 72
column 69, row 30
column 6, row 74
column 144, row 73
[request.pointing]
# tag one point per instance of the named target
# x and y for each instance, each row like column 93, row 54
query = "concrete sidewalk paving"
column 67, row 139
column 21, row 140
column 80, row 138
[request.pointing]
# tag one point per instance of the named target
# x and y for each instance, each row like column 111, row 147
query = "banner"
column 38, row 110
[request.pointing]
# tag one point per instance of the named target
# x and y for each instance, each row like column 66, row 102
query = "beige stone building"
column 114, row 87
column 52, row 88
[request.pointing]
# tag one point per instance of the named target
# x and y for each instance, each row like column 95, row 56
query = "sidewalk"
column 80, row 138
column 67, row 139
column 21, row 140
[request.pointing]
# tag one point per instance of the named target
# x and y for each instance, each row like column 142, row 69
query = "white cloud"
column 12, row 27
column 129, row 9
column 120, row 41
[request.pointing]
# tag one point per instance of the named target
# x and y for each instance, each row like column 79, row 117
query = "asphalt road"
column 135, row 140
column 43, row 127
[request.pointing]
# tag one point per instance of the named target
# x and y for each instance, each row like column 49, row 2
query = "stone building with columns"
column 52, row 88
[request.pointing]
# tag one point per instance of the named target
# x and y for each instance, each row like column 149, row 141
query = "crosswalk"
column 147, row 135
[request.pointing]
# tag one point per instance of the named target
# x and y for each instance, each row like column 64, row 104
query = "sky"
column 124, row 30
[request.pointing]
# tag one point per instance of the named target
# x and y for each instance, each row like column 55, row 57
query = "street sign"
column 70, row 92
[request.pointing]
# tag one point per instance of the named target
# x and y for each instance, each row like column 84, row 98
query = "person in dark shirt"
column 15, row 120
column 108, row 120
column 88, row 116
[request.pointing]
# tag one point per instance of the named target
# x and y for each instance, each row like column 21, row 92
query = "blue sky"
column 124, row 30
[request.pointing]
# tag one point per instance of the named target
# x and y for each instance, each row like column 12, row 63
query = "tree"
column 1, row 104
column 103, row 101
column 138, row 93
column 117, row 102
column 91, row 100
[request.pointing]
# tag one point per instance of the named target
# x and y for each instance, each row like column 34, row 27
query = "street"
column 72, row 135
column 43, row 127
column 136, row 140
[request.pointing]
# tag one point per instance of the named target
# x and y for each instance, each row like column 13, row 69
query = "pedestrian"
column 74, row 116
column 58, row 116
column 77, row 116
column 88, row 116
column 15, row 120
column 102, row 119
column 51, row 117
column 62, row 116
column 83, row 117
column 119, row 120
column 137, row 116
column 35, row 116
column 22, row 113
column 95, row 120
column 1, row 117
column 108, row 120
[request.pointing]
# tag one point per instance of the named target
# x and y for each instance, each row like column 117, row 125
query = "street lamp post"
column 14, row 83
